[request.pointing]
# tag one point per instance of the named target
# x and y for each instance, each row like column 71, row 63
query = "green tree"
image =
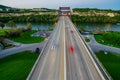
column 29, row 26
column 11, row 24
column 2, row 25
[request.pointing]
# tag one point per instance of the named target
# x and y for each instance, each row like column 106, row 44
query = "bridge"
column 66, row 56
column 65, row 11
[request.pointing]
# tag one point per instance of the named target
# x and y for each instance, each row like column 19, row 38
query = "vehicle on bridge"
column 71, row 49
column 53, row 46
column 65, row 11
column 71, row 31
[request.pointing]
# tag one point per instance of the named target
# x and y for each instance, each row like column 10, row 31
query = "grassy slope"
column 18, row 66
column 111, row 62
column 109, row 42
column 26, row 38
column 99, row 39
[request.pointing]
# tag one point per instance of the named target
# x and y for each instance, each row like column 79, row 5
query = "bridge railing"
column 101, row 68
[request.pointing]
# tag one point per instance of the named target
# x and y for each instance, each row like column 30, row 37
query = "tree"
column 1, row 42
column 1, row 39
column 11, row 24
column 29, row 26
column 2, row 25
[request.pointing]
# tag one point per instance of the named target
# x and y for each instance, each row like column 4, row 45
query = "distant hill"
column 3, row 7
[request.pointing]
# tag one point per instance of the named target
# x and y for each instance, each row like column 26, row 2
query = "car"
column 71, row 31
column 71, row 49
column 53, row 46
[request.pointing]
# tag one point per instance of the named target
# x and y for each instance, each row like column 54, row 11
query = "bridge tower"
column 65, row 11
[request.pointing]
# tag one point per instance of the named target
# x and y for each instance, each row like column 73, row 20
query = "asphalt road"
column 14, row 50
column 96, row 47
column 80, row 65
column 59, row 62
column 50, row 65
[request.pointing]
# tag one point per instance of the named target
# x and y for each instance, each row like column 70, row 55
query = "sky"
column 55, row 4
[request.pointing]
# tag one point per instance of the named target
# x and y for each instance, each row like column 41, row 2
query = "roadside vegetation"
column 88, row 15
column 19, row 35
column 95, row 19
column 30, row 18
column 26, row 38
column 109, row 38
column 17, row 66
column 94, row 15
column 2, row 31
column 87, row 39
column 22, row 35
column 111, row 61
column 4, row 44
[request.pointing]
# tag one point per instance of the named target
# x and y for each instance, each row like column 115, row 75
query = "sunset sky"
column 101, row 4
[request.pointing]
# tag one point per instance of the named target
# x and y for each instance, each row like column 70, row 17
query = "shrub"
column 29, row 26
column 13, row 32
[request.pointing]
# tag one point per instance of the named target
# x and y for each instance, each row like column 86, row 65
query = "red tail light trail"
column 71, row 49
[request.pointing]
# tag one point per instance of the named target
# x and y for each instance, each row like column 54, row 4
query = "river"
column 83, row 26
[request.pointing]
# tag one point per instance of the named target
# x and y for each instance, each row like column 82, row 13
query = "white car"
column 53, row 46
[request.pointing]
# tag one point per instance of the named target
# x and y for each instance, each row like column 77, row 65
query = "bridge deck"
column 59, row 62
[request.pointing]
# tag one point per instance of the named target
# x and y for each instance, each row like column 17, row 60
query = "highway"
column 51, row 63
column 59, row 62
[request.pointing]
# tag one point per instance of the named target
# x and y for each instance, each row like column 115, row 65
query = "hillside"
column 3, row 7
column 95, row 12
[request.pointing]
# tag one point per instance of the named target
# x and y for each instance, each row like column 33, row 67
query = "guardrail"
column 103, row 70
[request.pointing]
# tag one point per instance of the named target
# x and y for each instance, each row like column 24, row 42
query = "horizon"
column 112, row 4
column 64, row 6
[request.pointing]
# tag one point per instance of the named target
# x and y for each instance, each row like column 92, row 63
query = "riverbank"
column 93, row 15
column 30, row 18
column 24, row 37
column 85, row 15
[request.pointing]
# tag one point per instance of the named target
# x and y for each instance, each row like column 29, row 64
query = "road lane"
column 69, row 72
column 78, row 68
column 58, row 62
column 50, row 66
column 81, row 59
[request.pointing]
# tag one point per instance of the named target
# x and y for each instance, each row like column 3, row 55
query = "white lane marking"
column 87, row 65
column 83, row 56
column 85, row 59
column 90, row 56
column 46, row 55
column 53, row 61
column 75, row 56
column 65, row 78
column 36, row 63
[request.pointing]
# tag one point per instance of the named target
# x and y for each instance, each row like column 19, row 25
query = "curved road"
column 96, row 47
column 14, row 50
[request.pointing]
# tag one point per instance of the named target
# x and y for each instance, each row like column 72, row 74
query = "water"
column 35, row 26
column 96, row 26
column 84, row 26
